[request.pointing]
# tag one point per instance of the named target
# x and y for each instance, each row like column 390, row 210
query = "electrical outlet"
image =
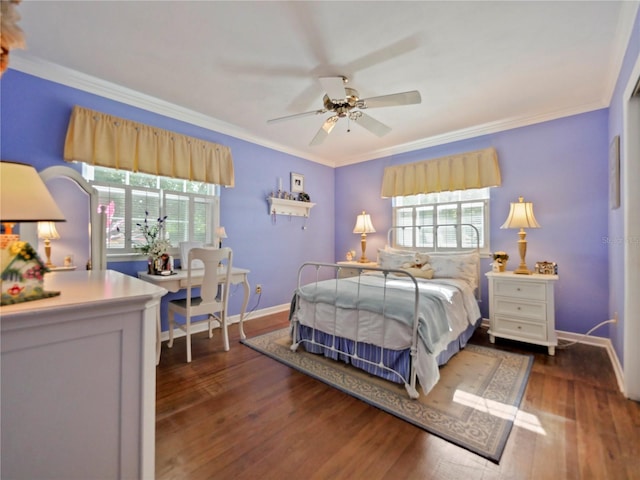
column 258, row 289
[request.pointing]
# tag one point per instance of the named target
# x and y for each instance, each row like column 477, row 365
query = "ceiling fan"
column 343, row 101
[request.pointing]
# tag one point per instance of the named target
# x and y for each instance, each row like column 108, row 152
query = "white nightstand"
column 521, row 307
column 349, row 268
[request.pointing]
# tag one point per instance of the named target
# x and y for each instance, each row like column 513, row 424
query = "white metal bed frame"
column 409, row 383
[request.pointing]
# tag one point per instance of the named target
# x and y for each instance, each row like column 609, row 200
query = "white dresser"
column 522, row 307
column 78, row 379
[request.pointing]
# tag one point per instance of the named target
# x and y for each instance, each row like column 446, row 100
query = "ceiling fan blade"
column 405, row 98
column 333, row 87
column 325, row 130
column 297, row 115
column 374, row 126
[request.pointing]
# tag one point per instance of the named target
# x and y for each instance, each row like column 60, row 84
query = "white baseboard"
column 202, row 327
column 589, row 340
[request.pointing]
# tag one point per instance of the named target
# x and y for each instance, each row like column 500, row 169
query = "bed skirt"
column 397, row 360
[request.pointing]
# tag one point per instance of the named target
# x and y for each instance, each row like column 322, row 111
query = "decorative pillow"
column 456, row 265
column 394, row 259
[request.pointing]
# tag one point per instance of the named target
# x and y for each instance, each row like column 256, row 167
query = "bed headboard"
column 424, row 238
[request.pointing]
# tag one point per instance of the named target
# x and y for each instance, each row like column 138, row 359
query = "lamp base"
column 522, row 270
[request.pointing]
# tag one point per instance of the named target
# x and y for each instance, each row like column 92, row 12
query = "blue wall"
column 561, row 166
column 34, row 118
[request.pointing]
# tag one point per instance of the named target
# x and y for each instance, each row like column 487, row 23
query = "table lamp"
column 521, row 216
column 47, row 232
column 220, row 234
column 23, row 198
column 363, row 226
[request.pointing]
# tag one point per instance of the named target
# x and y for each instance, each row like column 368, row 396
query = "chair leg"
column 225, row 331
column 210, row 320
column 171, row 327
column 187, row 325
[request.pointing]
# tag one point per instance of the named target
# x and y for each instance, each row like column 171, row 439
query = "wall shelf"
column 280, row 206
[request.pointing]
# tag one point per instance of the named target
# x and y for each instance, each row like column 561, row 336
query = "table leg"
column 245, row 302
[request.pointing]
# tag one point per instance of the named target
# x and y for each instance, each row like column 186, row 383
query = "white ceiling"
column 479, row 66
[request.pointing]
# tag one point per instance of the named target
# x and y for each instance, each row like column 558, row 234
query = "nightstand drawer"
column 515, row 308
column 519, row 289
column 537, row 331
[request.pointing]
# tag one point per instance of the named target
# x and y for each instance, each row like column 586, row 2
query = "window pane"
column 201, row 214
column 473, row 213
column 113, row 199
column 145, row 205
column 177, row 211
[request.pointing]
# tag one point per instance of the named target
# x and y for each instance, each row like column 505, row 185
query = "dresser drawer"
column 518, row 329
column 519, row 289
column 514, row 308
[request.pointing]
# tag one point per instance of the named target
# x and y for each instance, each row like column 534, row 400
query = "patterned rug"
column 473, row 405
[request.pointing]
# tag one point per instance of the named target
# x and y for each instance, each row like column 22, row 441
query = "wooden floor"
column 240, row 415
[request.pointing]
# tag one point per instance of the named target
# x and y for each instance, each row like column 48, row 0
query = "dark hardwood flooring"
column 240, row 415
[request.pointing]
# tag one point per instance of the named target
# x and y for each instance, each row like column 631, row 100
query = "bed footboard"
column 321, row 282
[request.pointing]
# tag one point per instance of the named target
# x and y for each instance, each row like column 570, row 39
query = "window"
column 444, row 213
column 192, row 208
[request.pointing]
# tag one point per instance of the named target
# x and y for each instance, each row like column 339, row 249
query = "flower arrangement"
column 154, row 244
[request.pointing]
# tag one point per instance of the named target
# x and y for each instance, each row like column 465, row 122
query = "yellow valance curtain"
column 100, row 139
column 475, row 169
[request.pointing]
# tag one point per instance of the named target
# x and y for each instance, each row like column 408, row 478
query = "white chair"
column 212, row 300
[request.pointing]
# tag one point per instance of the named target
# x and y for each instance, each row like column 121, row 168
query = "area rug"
column 473, row 405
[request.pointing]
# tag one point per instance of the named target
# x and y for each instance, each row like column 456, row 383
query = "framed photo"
column 297, row 182
column 614, row 173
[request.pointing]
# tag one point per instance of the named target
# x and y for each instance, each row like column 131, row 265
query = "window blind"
column 100, row 139
column 477, row 169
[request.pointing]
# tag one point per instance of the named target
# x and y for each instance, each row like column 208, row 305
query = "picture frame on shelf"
column 297, row 182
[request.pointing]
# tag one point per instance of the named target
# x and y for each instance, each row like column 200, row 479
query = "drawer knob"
column 519, row 308
column 518, row 289
column 519, row 327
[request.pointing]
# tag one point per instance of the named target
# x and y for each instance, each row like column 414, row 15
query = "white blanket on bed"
column 446, row 308
column 392, row 297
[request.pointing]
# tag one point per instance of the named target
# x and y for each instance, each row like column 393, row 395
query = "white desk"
column 178, row 281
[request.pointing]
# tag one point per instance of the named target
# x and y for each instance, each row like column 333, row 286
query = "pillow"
column 389, row 259
column 456, row 265
column 184, row 255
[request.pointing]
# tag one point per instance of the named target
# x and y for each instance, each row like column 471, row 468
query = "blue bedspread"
column 393, row 297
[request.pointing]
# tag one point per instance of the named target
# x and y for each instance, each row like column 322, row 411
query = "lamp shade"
column 363, row 224
column 47, row 231
column 521, row 216
column 24, row 196
column 221, row 233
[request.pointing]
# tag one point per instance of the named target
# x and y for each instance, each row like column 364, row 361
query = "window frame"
column 434, row 203
column 211, row 200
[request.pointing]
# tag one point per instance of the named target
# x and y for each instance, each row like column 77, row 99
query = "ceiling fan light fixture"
column 341, row 100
